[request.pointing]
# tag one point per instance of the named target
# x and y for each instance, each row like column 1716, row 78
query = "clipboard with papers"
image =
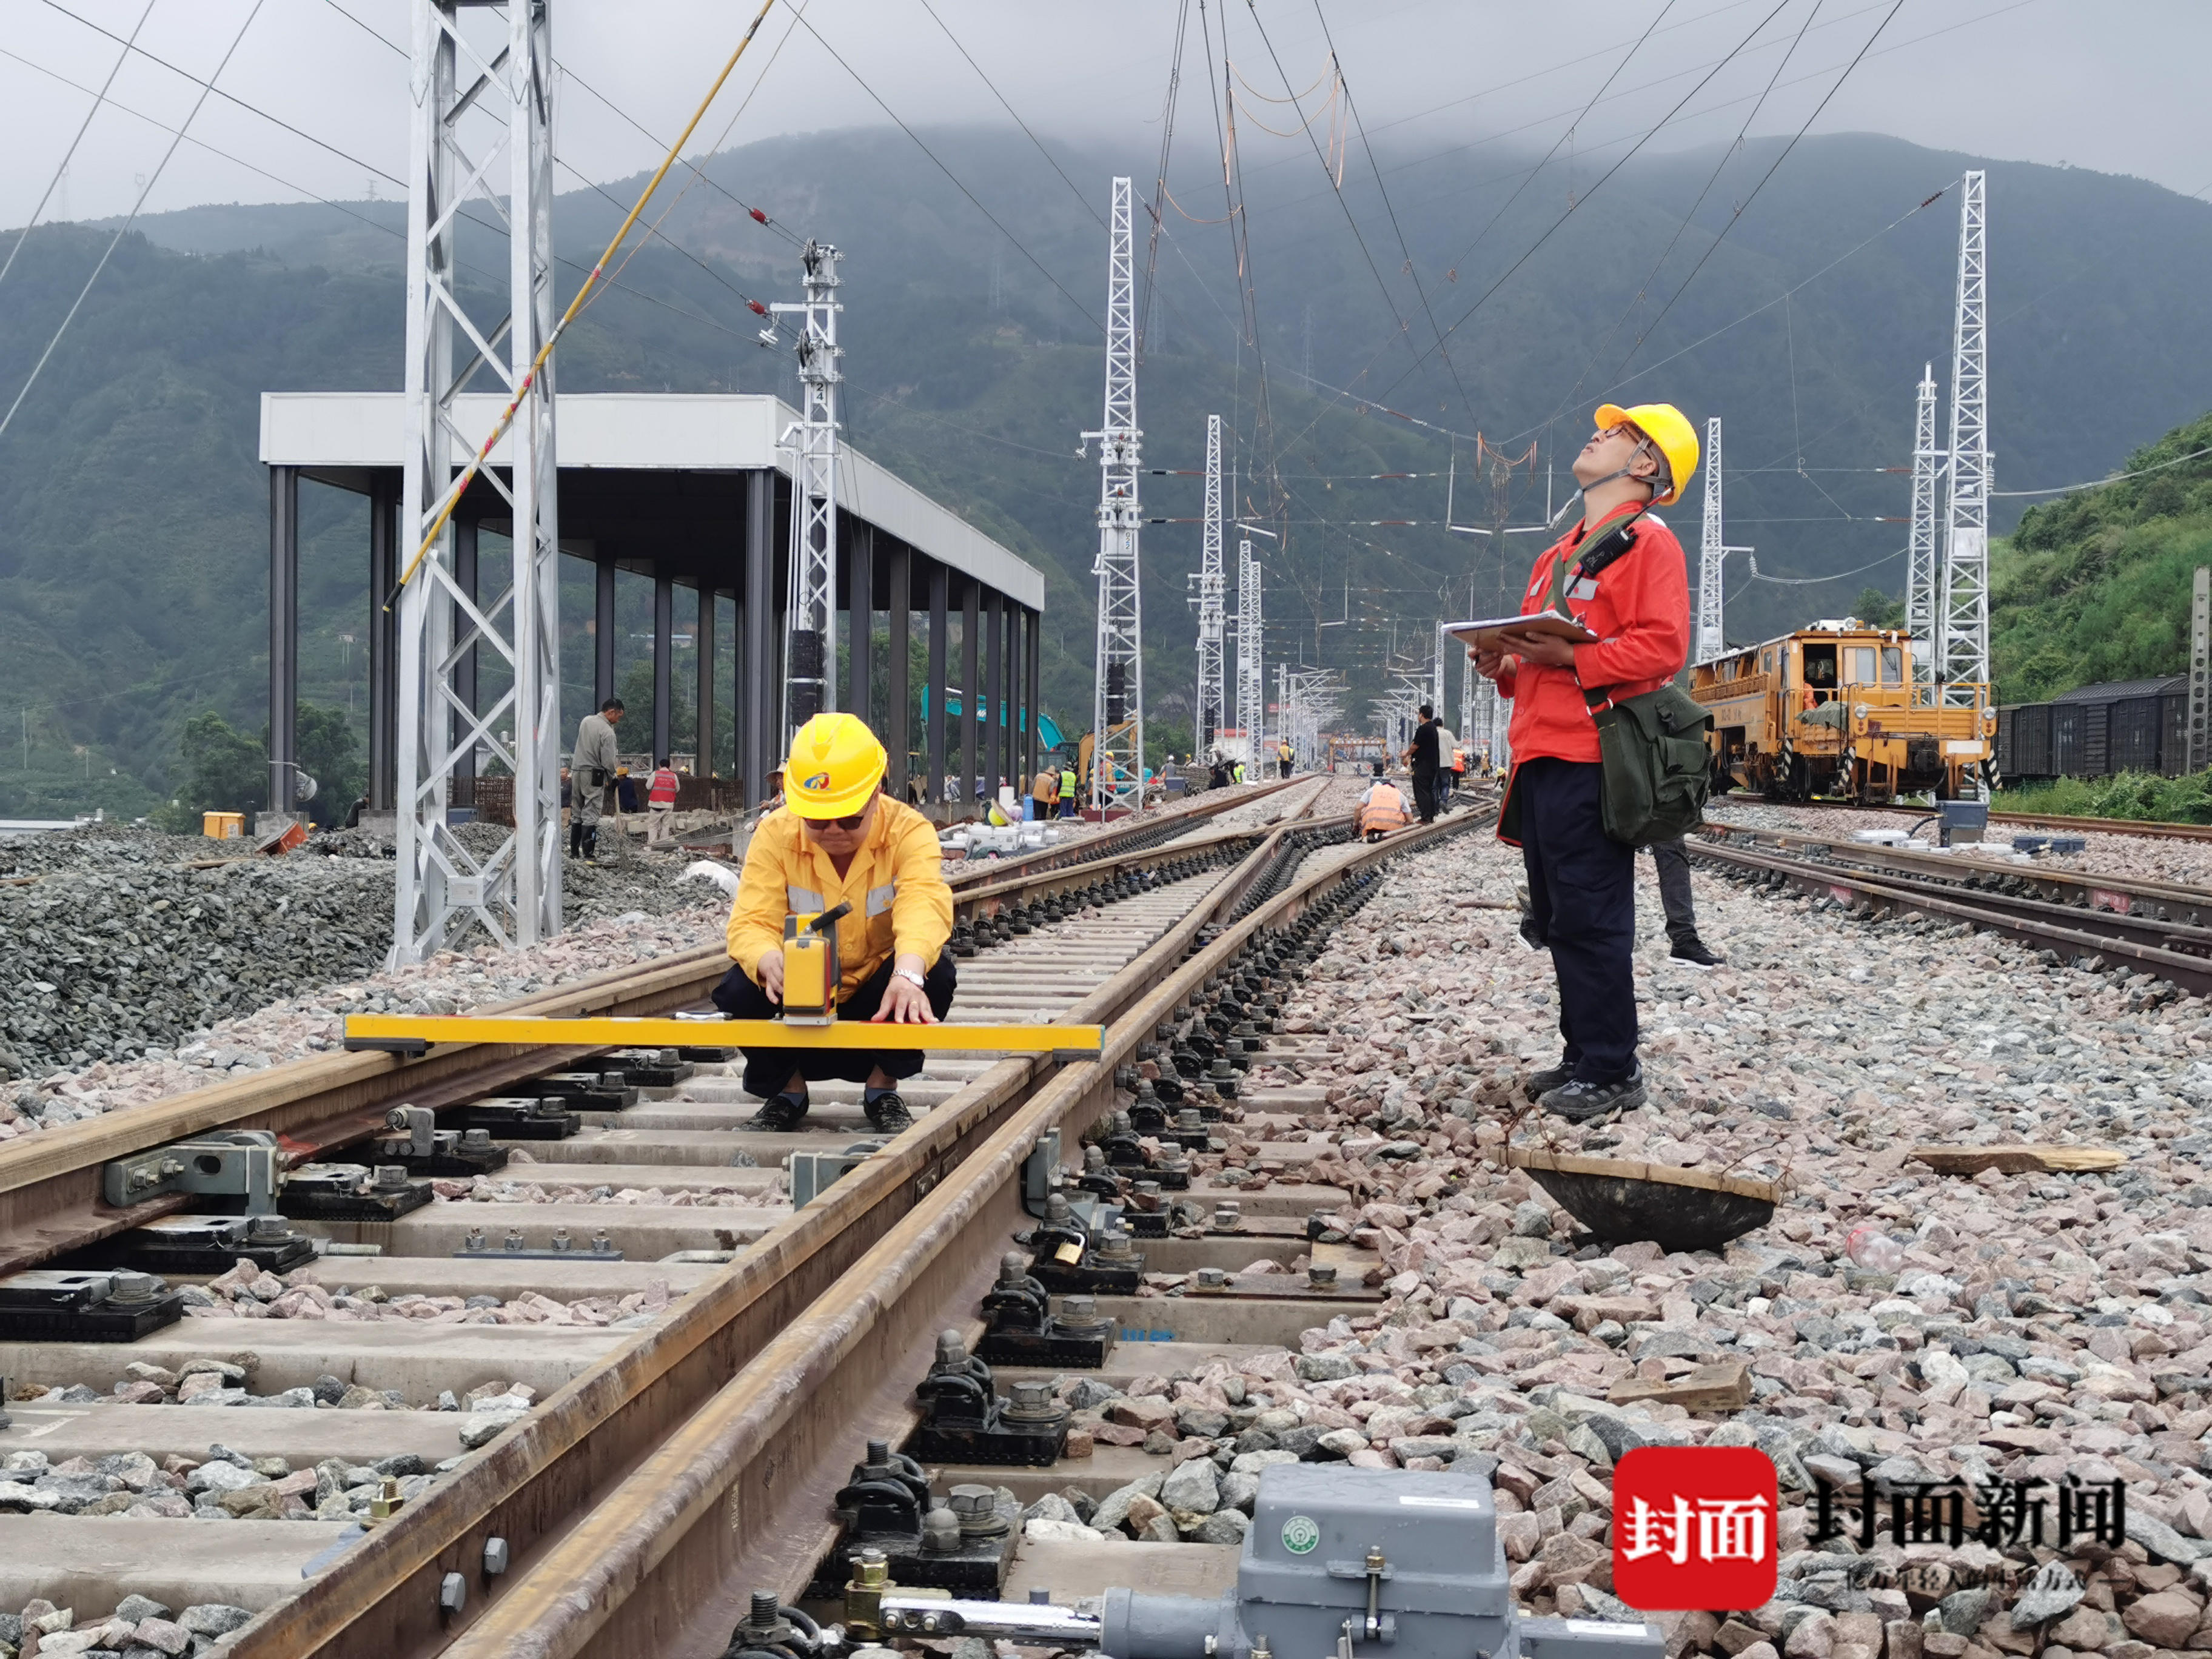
column 1485, row 634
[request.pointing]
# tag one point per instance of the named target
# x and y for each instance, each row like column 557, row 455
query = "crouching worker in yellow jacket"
column 839, row 840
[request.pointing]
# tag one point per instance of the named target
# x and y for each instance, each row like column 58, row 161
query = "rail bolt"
column 494, row 1556
column 452, row 1592
column 1212, row 1278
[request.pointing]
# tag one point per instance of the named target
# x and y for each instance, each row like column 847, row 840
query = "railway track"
column 2157, row 927
column 715, row 1267
column 2155, row 827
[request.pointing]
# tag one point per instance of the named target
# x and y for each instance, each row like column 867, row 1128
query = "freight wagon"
column 2094, row 731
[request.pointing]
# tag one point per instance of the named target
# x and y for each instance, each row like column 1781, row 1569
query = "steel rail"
column 711, row 1507
column 49, row 1184
column 381, row 1597
column 2159, row 828
column 2021, row 920
column 1146, row 830
column 2162, row 901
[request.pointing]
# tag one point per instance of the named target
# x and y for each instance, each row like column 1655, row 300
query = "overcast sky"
column 2111, row 85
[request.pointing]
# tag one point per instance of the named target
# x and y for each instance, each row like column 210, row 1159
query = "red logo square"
column 1693, row 1527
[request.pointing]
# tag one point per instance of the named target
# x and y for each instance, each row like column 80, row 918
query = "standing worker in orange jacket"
column 1620, row 573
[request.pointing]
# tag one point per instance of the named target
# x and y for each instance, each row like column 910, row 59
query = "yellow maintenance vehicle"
column 1832, row 711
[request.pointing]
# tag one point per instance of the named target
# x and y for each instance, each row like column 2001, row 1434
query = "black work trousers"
column 768, row 1067
column 1425, row 794
column 1672, row 860
column 1582, row 897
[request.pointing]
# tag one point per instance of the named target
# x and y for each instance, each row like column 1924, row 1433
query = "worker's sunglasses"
column 846, row 824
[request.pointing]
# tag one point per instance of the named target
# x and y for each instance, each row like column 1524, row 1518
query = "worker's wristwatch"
column 911, row 977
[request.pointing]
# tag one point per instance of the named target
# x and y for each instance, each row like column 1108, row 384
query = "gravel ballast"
column 2037, row 1327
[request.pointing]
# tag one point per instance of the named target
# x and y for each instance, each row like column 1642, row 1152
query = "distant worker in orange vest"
column 1382, row 810
column 660, row 791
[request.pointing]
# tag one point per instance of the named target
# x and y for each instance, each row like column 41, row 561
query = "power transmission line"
column 62, row 171
column 152, row 178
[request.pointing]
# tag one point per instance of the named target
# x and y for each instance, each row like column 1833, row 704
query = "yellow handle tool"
column 414, row 1033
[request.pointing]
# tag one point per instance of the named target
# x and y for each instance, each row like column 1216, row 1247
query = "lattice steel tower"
column 1922, row 587
column 1212, row 597
column 1711, row 553
column 469, row 105
column 811, row 628
column 1117, row 764
column 1251, row 691
column 1963, row 618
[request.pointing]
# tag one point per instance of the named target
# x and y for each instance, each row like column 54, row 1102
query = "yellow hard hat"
column 1669, row 429
column 836, row 764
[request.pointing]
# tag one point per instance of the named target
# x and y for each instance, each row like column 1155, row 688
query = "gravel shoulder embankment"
column 131, row 976
column 2039, row 1328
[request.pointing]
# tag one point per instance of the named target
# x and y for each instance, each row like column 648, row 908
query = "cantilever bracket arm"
column 414, row 1033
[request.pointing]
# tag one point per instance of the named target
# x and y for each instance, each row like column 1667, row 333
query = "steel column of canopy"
column 383, row 642
column 1212, row 593
column 604, row 637
column 860, row 621
column 971, row 639
column 283, row 638
column 1033, row 661
column 811, row 639
column 1117, row 764
column 993, row 725
column 898, row 694
column 1921, row 585
column 1962, row 639
column 702, row 645
column 758, row 670
column 513, row 892
column 934, row 682
column 663, row 663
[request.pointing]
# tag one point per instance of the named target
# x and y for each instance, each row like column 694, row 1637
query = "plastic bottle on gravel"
column 1873, row 1249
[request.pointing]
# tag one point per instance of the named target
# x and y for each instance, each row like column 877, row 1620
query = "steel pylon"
column 1117, row 764
column 504, row 168
column 1212, row 595
column 1922, row 590
column 811, row 624
column 1251, row 688
column 1963, row 614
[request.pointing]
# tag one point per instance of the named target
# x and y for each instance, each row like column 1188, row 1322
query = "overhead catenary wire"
column 958, row 184
column 1743, row 206
column 98, row 99
column 124, row 229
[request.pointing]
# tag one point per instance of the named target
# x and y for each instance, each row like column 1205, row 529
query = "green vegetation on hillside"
column 2096, row 585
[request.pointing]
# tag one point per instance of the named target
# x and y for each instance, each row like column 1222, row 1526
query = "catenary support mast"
column 1963, row 618
column 1251, row 691
column 1117, row 766
column 1922, row 590
column 811, row 633
column 514, row 890
column 1712, row 557
column 1212, row 592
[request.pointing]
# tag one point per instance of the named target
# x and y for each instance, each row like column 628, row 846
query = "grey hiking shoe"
column 1537, row 1085
column 1581, row 1103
